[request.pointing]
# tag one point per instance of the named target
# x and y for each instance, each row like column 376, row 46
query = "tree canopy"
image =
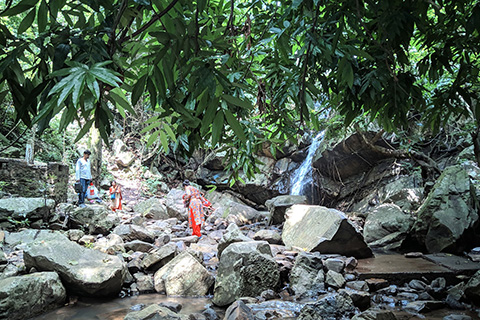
column 239, row 73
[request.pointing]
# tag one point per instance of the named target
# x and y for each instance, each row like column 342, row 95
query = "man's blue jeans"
column 81, row 196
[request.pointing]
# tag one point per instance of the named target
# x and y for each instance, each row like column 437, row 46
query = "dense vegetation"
column 235, row 74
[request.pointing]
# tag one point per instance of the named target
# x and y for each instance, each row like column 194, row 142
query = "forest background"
column 170, row 77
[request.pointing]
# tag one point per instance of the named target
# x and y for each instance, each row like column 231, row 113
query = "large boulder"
column 152, row 208
column 157, row 258
column 307, row 278
column 245, row 269
column 233, row 209
column 279, row 205
column 23, row 297
column 131, row 232
column 183, row 276
column 24, row 210
column 316, row 228
column 448, row 213
column 123, row 157
column 387, row 226
column 96, row 219
column 83, row 271
column 472, row 289
column 233, row 234
column 175, row 206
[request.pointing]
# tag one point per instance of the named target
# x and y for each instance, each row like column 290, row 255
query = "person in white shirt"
column 84, row 175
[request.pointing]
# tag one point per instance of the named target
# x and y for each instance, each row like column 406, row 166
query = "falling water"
column 303, row 175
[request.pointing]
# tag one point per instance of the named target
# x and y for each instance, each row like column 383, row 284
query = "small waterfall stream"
column 303, row 175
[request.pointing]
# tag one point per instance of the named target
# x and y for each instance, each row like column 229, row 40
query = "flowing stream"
column 303, row 175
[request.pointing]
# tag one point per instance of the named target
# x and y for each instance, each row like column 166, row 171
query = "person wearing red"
column 195, row 202
column 116, row 196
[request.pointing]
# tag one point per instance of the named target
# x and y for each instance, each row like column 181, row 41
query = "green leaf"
column 235, row 125
column 78, row 89
column 84, row 130
column 237, row 101
column 27, row 21
column 42, row 16
column 152, row 138
column 169, row 131
column 163, row 139
column 22, row 6
column 151, row 126
column 217, row 128
column 138, row 89
column 121, row 100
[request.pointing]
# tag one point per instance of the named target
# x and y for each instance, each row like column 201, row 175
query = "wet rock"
column 387, row 227
column 360, row 299
column 472, row 288
column 454, row 295
column 417, row 285
column 174, row 204
column 26, row 296
column 245, row 269
column 130, row 232
column 316, row 228
column 276, row 309
column 183, row 276
column 153, row 311
column 271, row 236
column 159, row 257
column 457, row 317
column 333, row 306
column 210, row 314
column 375, row 315
column 239, row 311
column 350, row 264
column 152, row 208
column 233, row 234
column 75, row 263
column 307, row 276
column 335, row 264
column 196, row 316
column 137, row 245
column 448, row 212
column 278, row 205
column 334, row 279
column 174, row 306
column 375, row 284
column 424, row 306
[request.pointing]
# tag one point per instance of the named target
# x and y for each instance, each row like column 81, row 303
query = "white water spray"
column 303, row 175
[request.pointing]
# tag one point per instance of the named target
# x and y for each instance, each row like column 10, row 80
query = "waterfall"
column 303, row 175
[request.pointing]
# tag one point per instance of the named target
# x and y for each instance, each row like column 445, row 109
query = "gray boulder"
column 159, row 257
column 97, row 219
column 233, row 209
column 84, row 271
column 239, row 310
column 245, row 269
column 279, row 205
column 375, row 315
column 271, row 236
column 332, row 307
column 183, row 276
column 387, row 226
column 25, row 209
column 153, row 311
column 233, row 234
column 138, row 245
column 448, row 212
column 24, row 297
column 174, row 203
column 152, row 208
column 316, row 228
column 131, row 232
column 307, row 276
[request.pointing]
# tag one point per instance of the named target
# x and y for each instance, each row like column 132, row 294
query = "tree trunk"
column 30, row 147
column 96, row 156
